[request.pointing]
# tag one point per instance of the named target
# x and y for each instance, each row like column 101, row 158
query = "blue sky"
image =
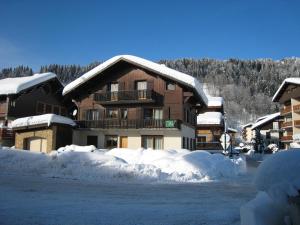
column 36, row 33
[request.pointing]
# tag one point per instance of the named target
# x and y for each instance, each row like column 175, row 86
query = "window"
column 191, row 143
column 112, row 113
column 170, row 86
column 201, row 139
column 40, row 108
column 183, row 142
column 114, row 88
column 111, row 141
column 154, row 142
column 92, row 114
column 141, row 86
column 150, row 113
column 124, row 114
column 48, row 108
column 275, row 125
column 56, row 110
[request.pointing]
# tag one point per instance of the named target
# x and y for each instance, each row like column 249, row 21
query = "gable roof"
column 287, row 81
column 265, row 120
column 163, row 70
column 17, row 84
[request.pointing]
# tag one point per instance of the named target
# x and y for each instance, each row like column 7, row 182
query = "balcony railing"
column 286, row 110
column 135, row 96
column 287, row 124
column 129, row 124
column 287, row 138
column 296, row 108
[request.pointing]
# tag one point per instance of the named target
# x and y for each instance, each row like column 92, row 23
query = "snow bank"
column 277, row 178
column 279, row 175
column 261, row 211
column 47, row 119
column 123, row 165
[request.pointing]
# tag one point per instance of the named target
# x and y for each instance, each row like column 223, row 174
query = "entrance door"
column 37, row 144
column 124, row 142
column 92, row 140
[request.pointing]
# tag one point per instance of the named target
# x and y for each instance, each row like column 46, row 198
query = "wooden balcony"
column 286, row 110
column 287, row 124
column 288, row 138
column 297, row 123
column 129, row 124
column 296, row 108
column 126, row 97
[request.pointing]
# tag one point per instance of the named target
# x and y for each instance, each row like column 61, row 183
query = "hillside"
column 246, row 85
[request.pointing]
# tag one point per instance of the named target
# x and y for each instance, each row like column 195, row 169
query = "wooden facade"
column 40, row 99
column 127, row 96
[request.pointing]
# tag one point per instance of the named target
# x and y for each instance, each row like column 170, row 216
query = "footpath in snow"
column 123, row 165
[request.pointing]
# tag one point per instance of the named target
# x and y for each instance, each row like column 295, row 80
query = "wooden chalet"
column 130, row 102
column 28, row 96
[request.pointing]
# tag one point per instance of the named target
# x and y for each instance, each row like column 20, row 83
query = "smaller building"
column 42, row 133
column 210, row 126
column 29, row 96
column 267, row 130
column 247, row 133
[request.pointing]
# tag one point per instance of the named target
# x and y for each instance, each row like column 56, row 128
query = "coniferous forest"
column 246, row 85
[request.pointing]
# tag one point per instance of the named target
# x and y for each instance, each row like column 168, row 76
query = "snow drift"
column 122, row 165
column 277, row 179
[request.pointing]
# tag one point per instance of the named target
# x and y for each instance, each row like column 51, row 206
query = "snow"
column 18, row 84
column 41, row 120
column 261, row 211
column 51, row 200
column 291, row 80
column 155, row 67
column 277, row 179
column 280, row 173
column 209, row 118
column 265, row 120
column 124, row 165
column 214, row 101
column 232, row 130
column 247, row 125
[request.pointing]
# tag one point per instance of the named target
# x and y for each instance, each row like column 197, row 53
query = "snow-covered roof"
column 42, row 119
column 214, row 101
column 18, row 84
column 265, row 120
column 291, row 80
column 232, row 130
column 149, row 65
column 208, row 118
column 247, row 125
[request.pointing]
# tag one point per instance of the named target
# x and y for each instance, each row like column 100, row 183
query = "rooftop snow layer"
column 214, row 101
column 158, row 68
column 247, row 125
column 18, row 84
column 265, row 120
column 291, row 80
column 209, row 118
column 42, row 119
